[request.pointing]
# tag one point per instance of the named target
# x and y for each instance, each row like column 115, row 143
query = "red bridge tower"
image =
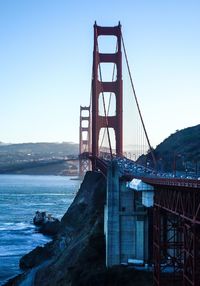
column 84, row 140
column 98, row 87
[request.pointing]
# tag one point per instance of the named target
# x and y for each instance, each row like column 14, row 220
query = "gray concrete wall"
column 113, row 226
column 125, row 224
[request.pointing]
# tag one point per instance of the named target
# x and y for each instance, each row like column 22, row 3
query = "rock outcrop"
column 46, row 223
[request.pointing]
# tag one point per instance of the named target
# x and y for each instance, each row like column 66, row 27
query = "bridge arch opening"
column 107, row 43
column 85, row 123
column 104, row 147
column 85, row 112
column 107, row 72
column 110, row 103
column 84, row 135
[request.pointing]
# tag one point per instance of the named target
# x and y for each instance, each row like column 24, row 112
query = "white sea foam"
column 16, row 226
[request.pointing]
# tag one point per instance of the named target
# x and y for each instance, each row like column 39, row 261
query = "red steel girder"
column 173, row 182
column 184, row 202
column 191, row 274
column 167, row 248
column 156, row 244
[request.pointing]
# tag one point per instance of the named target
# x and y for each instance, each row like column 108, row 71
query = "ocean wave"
column 16, row 254
column 13, row 246
column 20, row 197
column 16, row 226
column 39, row 194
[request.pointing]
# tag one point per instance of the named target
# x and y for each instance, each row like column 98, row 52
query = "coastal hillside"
column 181, row 150
column 38, row 158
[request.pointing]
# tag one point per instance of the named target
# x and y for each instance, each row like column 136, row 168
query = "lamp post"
column 196, row 168
column 175, row 162
column 125, row 154
column 134, row 156
column 147, row 166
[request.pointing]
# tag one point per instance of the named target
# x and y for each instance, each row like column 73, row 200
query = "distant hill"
column 57, row 149
column 180, row 150
column 38, row 158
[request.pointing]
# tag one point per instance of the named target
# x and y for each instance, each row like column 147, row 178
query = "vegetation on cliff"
column 180, row 150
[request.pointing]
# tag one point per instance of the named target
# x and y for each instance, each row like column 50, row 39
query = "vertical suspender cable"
column 113, row 74
column 104, row 107
column 90, row 120
column 138, row 107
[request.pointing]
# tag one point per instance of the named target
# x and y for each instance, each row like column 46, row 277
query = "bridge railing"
column 176, row 182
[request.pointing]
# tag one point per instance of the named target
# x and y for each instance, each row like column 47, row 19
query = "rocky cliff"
column 76, row 256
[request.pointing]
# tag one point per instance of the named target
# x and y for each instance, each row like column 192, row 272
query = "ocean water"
column 20, row 197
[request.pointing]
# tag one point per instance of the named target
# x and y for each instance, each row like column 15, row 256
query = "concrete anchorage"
column 126, row 223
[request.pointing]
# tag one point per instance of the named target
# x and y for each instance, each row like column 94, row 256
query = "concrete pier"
column 125, row 222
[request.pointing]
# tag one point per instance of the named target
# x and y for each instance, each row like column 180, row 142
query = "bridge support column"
column 191, row 271
column 167, row 248
column 156, row 244
column 125, row 222
column 111, row 217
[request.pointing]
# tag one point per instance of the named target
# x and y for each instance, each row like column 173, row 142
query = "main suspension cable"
column 137, row 104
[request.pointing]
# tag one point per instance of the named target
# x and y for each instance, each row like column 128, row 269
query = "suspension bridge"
column 149, row 216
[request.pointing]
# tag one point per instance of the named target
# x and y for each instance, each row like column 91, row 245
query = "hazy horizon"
column 127, row 147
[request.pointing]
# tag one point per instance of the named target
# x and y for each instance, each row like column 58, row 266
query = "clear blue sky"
column 46, row 58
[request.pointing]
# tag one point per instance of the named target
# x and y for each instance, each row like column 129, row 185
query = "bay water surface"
column 20, row 197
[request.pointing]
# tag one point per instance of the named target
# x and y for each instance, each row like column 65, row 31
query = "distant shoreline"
column 39, row 159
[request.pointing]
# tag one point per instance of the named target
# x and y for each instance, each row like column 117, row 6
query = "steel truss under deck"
column 176, row 242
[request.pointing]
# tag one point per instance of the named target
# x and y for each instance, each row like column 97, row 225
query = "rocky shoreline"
column 76, row 255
